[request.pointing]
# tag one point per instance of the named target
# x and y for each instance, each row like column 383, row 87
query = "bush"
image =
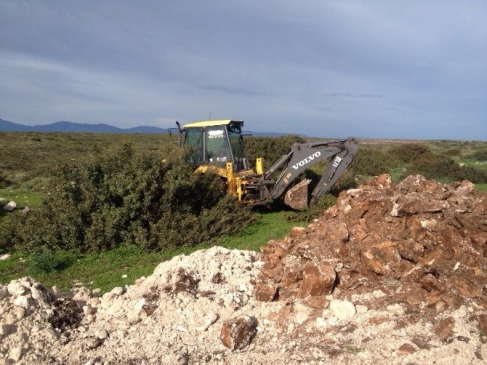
column 442, row 168
column 453, row 152
column 270, row 149
column 480, row 155
column 409, row 152
column 47, row 261
column 370, row 161
column 4, row 181
column 123, row 196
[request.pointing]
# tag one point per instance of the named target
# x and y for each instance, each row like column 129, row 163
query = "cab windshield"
column 217, row 145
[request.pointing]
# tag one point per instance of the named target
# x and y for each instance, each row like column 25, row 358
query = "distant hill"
column 69, row 127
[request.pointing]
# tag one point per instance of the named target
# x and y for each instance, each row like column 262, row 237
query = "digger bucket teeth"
column 297, row 196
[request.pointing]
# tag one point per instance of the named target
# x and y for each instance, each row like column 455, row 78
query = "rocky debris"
column 420, row 243
column 360, row 285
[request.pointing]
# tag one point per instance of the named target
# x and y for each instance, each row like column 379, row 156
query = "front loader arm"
column 304, row 155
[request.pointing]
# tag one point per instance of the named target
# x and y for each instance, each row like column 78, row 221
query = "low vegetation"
column 105, row 209
column 120, row 196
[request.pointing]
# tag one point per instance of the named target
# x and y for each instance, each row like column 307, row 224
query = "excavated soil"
column 392, row 274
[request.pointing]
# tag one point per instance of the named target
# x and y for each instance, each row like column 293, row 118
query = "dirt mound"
column 420, row 245
column 393, row 274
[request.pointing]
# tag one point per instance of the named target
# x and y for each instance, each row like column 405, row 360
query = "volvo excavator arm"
column 301, row 157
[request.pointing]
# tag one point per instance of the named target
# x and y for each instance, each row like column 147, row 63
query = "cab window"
column 217, row 147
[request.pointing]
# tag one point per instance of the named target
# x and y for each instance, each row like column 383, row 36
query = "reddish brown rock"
column 237, row 333
column 465, row 288
column 265, row 292
column 374, row 262
column 482, row 323
column 335, row 231
column 406, row 349
column 431, row 283
column 318, row 280
column 297, row 231
column 444, row 329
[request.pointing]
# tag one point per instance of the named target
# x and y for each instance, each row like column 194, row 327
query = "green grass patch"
column 123, row 265
column 23, row 196
column 270, row 226
column 481, row 187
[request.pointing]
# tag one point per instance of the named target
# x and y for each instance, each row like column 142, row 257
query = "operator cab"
column 217, row 142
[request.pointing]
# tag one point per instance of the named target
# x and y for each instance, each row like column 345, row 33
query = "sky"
column 408, row 69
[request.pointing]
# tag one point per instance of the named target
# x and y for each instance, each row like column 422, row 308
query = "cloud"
column 385, row 69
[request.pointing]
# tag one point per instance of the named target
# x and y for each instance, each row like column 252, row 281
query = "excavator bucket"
column 297, row 196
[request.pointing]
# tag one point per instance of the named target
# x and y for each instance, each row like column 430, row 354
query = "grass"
column 481, row 187
column 124, row 265
column 23, row 196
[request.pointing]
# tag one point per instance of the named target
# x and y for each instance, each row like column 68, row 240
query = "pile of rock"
column 421, row 244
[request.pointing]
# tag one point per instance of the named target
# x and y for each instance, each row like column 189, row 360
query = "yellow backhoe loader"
column 219, row 146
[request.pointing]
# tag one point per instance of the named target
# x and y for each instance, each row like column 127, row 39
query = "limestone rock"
column 10, row 206
column 342, row 309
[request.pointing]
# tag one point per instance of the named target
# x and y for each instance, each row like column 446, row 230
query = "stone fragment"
column 465, row 287
column 117, row 291
column 416, row 204
column 16, row 288
column 375, row 261
column 395, row 309
column 444, row 329
column 482, row 323
column 208, row 321
column 301, row 313
column 22, row 301
column 335, row 231
column 342, row 309
column 265, row 292
column 19, row 312
column 3, row 292
column 405, row 349
column 101, row 334
column 237, row 333
column 41, row 295
column 7, row 329
column 318, row 280
column 15, row 353
column 382, row 182
column 10, row 206
column 297, row 231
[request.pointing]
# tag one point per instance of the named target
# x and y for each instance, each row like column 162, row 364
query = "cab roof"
column 209, row 123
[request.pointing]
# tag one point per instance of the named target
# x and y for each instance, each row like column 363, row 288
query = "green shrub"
column 480, row 155
column 453, row 152
column 4, row 181
column 123, row 196
column 47, row 261
column 370, row 161
column 270, row 149
column 409, row 152
column 442, row 168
